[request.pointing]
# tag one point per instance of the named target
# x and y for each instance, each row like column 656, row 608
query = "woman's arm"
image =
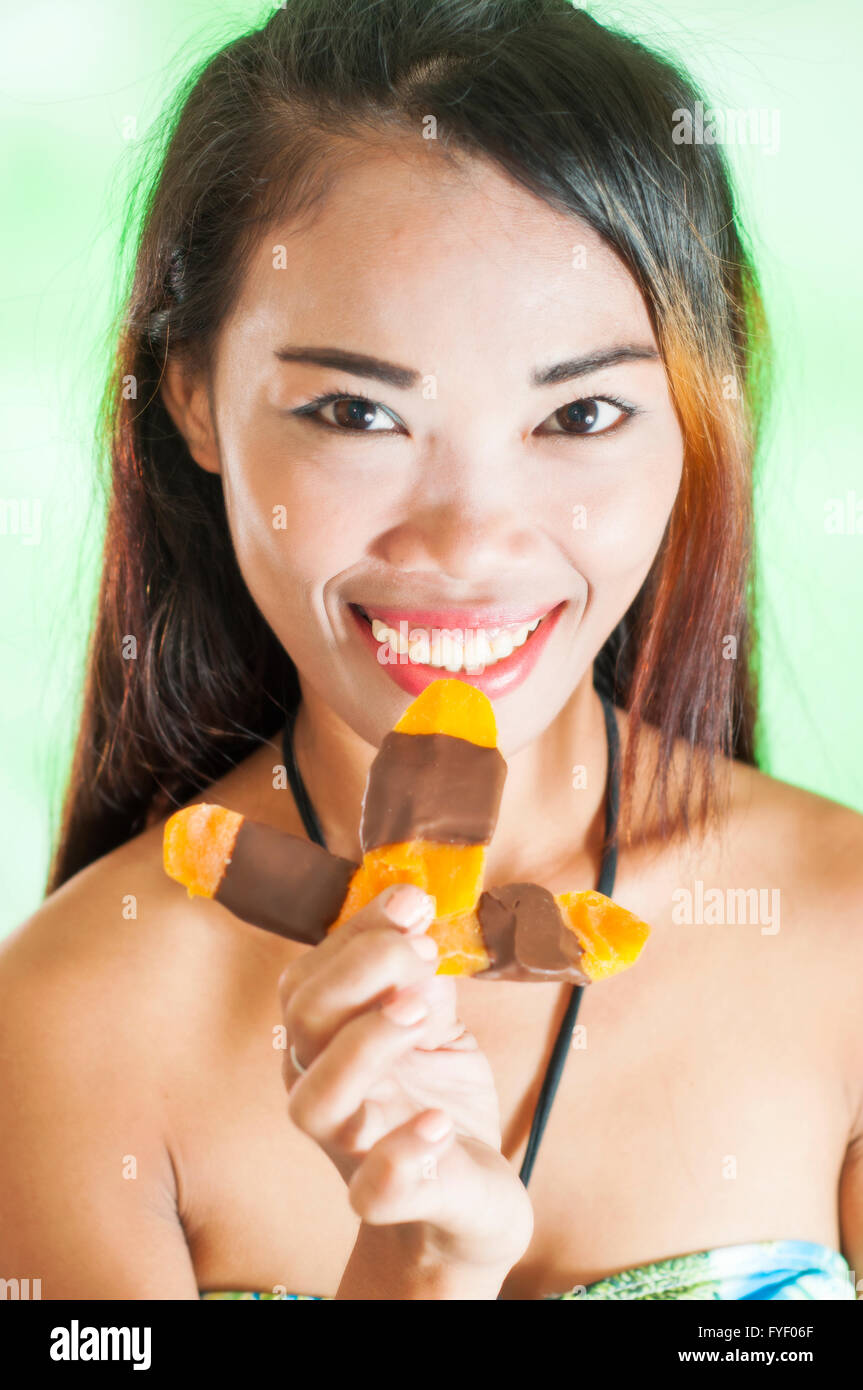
column 87, row 1193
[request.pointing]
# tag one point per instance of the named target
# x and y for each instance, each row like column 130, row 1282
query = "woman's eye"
column 593, row 415
column 353, row 413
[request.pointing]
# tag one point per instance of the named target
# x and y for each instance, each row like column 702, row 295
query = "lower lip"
column 496, row 680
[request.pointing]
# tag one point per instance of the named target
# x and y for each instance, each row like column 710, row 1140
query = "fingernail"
column 424, row 946
column 406, row 1010
column 408, row 906
column 434, row 1126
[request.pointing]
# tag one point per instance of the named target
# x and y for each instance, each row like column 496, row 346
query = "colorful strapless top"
column 767, row 1269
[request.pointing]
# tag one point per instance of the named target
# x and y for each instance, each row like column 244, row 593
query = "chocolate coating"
column 283, row 883
column 526, row 936
column 431, row 787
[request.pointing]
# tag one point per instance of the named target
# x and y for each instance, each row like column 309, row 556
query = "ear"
column 187, row 401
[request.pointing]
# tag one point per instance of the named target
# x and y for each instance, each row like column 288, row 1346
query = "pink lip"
column 495, row 681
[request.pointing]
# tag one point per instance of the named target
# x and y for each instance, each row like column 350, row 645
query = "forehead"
column 412, row 256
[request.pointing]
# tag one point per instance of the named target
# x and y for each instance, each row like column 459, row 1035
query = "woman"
column 465, row 227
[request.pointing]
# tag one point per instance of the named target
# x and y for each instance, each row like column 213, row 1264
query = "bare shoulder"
column 801, row 854
column 814, row 842
column 810, row 842
column 818, row 843
column 111, row 935
column 810, row 848
column 122, row 951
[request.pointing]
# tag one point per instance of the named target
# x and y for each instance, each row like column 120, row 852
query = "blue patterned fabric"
column 798, row 1270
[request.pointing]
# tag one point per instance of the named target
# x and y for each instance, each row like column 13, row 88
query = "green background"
column 82, row 82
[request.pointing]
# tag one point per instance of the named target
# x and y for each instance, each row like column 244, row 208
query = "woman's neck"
column 552, row 813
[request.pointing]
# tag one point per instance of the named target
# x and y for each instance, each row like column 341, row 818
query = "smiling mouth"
column 470, row 649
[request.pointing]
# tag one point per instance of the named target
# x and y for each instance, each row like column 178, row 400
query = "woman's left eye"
column 593, row 415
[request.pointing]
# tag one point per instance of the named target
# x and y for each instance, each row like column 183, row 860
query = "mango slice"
column 612, row 938
column 197, row 846
column 451, row 707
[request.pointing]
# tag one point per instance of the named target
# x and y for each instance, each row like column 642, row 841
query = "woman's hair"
column 579, row 115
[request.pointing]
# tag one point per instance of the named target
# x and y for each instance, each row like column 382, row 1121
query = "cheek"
column 288, row 525
column 619, row 516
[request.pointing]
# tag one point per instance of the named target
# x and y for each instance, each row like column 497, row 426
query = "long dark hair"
column 578, row 114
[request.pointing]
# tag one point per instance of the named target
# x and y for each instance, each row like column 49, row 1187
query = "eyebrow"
column 358, row 364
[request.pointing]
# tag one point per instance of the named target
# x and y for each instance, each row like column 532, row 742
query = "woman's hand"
column 397, row 1093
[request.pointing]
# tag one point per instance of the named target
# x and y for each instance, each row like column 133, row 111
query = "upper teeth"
column 452, row 648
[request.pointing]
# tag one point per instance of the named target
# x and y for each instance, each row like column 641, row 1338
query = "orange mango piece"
column 452, row 874
column 611, row 937
column 197, row 845
column 451, row 707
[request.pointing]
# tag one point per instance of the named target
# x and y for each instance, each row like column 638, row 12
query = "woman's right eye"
column 351, row 414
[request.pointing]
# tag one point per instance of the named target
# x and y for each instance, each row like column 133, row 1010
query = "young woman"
column 432, row 319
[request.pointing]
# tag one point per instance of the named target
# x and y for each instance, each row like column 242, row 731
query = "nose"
column 474, row 543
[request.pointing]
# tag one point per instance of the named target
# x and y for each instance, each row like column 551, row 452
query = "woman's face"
column 483, row 485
